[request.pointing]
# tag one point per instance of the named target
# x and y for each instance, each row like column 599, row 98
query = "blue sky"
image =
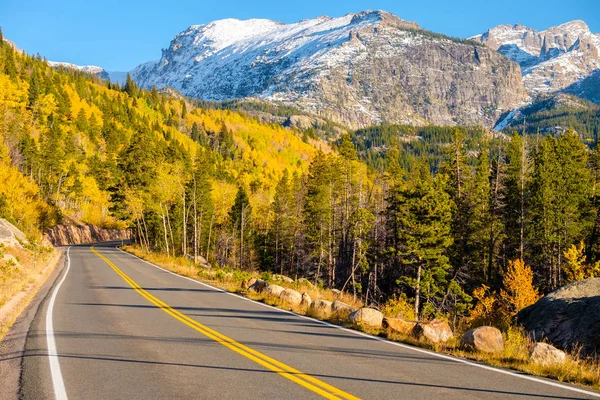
column 120, row 34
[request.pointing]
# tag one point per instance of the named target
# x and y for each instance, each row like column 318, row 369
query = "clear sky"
column 120, row 34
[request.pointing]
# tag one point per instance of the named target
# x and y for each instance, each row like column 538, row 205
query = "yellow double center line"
column 307, row 381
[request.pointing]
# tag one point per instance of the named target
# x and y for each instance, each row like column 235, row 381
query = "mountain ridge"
column 358, row 69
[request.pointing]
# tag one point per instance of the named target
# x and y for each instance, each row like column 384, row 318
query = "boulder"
column 367, row 316
column 259, row 286
column 306, row 300
column 436, row 331
column 304, row 281
column 282, row 278
column 274, row 290
column 248, row 282
column 485, row 338
column 320, row 309
column 547, row 355
column 10, row 235
column 337, row 293
column 341, row 309
column 400, row 325
column 291, row 297
column 568, row 317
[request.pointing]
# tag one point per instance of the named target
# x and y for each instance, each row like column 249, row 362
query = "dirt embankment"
column 62, row 235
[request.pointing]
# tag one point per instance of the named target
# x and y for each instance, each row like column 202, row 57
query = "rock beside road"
column 258, row 286
column 341, row 309
column 321, row 309
column 10, row 235
column 367, row 317
column 291, row 297
column 486, row 339
column 400, row 325
column 274, row 290
column 436, row 331
column 568, row 317
column 547, row 355
column 306, row 300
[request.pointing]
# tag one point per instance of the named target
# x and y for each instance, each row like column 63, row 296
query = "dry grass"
column 17, row 274
column 515, row 355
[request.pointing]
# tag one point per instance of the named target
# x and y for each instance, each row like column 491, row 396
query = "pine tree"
column 423, row 214
column 240, row 216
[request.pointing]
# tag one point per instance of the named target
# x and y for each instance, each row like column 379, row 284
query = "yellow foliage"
column 575, row 267
column 518, row 291
column 484, row 309
column 19, row 199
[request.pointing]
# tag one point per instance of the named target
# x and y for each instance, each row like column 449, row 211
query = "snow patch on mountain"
column 551, row 60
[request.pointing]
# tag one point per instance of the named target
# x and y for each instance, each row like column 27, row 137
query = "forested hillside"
column 219, row 185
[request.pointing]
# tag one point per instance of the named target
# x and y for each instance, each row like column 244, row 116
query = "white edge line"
column 57, row 380
column 402, row 345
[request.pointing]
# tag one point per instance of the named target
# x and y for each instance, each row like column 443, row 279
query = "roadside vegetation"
column 20, row 277
column 517, row 345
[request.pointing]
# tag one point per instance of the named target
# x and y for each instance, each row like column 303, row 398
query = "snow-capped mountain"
column 113, row 76
column 358, row 69
column 558, row 58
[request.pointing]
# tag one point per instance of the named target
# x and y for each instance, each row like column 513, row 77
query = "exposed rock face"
column 63, row 235
column 551, row 60
column 291, row 297
column 321, row 309
column 400, row 325
column 547, row 355
column 567, row 317
column 485, row 338
column 436, row 331
column 367, row 316
column 357, row 70
column 10, row 235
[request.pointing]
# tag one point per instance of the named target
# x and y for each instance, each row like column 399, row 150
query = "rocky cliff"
column 63, row 235
column 357, row 70
column 567, row 317
column 560, row 57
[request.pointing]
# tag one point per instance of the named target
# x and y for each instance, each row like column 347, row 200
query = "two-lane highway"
column 124, row 329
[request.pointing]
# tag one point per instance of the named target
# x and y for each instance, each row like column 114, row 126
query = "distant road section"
column 124, row 329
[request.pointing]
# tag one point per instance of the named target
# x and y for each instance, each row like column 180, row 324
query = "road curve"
column 124, row 329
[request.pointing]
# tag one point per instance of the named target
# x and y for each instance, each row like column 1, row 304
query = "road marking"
column 317, row 386
column 378, row 339
column 57, row 380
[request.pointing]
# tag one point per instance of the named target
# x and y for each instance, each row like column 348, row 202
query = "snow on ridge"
column 92, row 69
column 241, row 50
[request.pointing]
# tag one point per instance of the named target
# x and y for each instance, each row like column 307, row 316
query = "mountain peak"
column 551, row 60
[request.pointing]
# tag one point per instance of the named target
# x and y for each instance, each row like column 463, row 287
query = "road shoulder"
column 13, row 346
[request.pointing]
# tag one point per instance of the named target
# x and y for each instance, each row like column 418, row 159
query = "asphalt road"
column 124, row 329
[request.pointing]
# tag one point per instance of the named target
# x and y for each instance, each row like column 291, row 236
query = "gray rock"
column 367, row 316
column 486, row 339
column 547, row 355
column 341, row 309
column 568, row 317
column 291, row 297
column 274, row 290
column 10, row 235
column 259, row 286
column 321, row 309
column 306, row 300
column 282, row 278
column 436, row 331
